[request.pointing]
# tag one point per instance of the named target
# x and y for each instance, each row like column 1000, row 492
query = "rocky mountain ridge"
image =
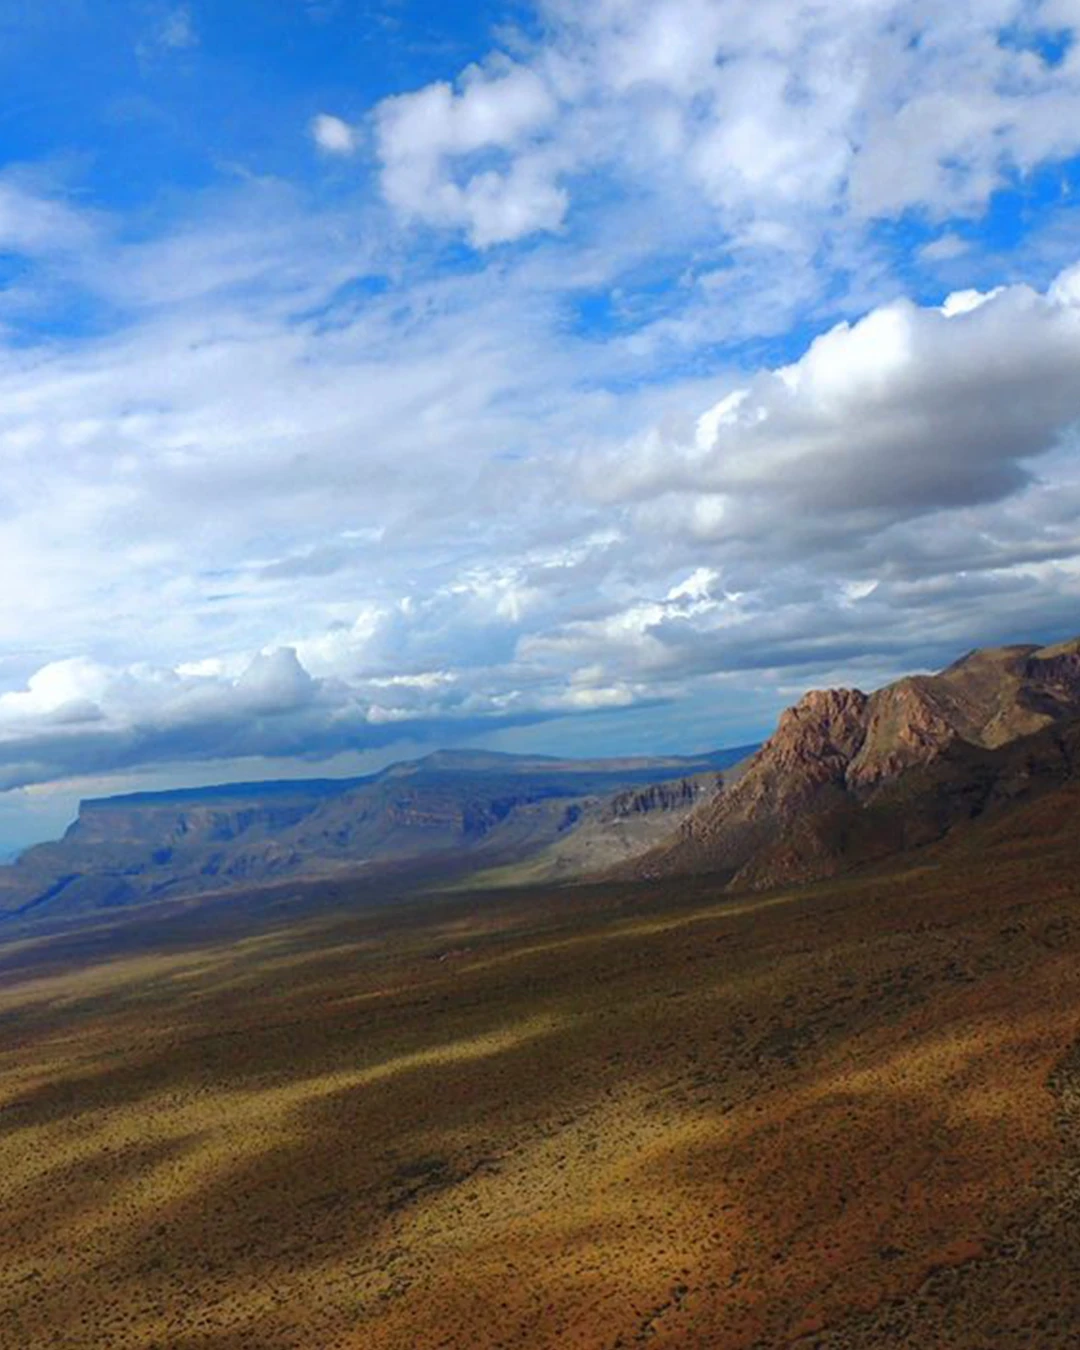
column 453, row 805
column 848, row 778
column 820, row 794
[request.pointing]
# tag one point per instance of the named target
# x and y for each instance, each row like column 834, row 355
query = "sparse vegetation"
column 618, row 1116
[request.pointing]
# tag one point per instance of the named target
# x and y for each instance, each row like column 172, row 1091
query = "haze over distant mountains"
column 846, row 780
column 453, row 810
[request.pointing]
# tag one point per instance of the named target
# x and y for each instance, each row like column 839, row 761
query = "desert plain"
column 355, row 1115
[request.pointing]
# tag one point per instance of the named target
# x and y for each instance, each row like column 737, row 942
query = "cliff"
column 453, row 806
column 848, row 777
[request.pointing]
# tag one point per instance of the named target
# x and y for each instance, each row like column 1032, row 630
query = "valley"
column 540, row 675
column 837, row 1116
column 742, row 1052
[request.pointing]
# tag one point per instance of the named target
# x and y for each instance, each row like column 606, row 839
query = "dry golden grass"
column 595, row 1119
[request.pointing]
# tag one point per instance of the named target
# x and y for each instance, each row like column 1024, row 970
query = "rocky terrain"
column 451, row 810
column 606, row 832
column 344, row 1112
column 850, row 778
column 838, row 1117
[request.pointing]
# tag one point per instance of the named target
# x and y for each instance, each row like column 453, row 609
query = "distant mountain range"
column 848, row 779
column 458, row 809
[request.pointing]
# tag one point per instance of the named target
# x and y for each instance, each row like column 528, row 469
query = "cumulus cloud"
column 333, row 135
column 494, row 121
column 278, row 586
column 297, row 488
column 776, row 112
column 79, row 717
column 907, row 411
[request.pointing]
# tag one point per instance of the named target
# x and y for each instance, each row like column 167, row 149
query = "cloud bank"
column 774, row 114
column 664, row 352
column 908, row 484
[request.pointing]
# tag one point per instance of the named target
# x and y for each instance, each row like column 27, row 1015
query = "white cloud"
column 228, row 484
column 275, row 682
column 1065, row 290
column 333, row 135
column 296, row 489
column 55, row 690
column 785, row 117
column 36, row 225
column 178, row 29
column 945, row 248
column 966, row 302
column 907, row 411
column 501, row 110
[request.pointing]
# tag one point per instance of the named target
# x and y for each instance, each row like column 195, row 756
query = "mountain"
column 850, row 778
column 847, row 779
column 455, row 806
column 604, row 832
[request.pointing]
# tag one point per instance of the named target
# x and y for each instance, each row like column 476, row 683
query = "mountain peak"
column 803, row 805
column 825, row 724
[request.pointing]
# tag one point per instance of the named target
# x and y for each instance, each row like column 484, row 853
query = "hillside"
column 849, row 778
column 840, row 1117
column 604, row 832
column 452, row 805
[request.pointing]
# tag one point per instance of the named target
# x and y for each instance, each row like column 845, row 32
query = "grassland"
column 847, row 1116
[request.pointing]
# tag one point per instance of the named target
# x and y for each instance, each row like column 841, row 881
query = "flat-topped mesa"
column 456, row 809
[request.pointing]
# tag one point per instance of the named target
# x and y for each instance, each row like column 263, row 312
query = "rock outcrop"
column 675, row 795
column 451, row 807
column 849, row 777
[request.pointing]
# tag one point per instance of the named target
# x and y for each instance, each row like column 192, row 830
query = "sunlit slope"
column 592, row 1118
column 849, row 778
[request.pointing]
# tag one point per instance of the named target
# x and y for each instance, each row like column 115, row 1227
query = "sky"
column 581, row 377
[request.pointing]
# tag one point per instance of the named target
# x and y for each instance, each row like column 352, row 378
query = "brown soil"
column 605, row 1118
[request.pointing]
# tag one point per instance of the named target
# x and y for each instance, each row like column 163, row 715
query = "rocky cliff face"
column 601, row 833
column 827, row 790
column 673, row 796
column 451, row 805
column 987, row 698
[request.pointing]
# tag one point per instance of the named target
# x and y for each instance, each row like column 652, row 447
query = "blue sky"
column 548, row 376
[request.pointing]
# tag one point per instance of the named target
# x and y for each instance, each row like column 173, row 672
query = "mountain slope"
column 604, row 832
column 849, row 777
column 452, row 804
